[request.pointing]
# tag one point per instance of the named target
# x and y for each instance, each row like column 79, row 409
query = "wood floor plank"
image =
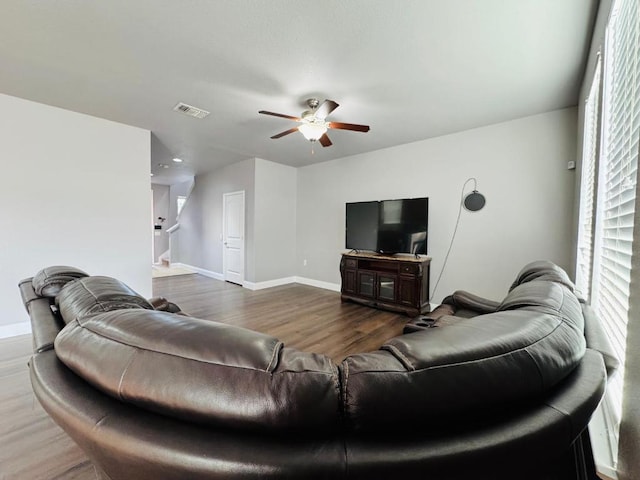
column 33, row 447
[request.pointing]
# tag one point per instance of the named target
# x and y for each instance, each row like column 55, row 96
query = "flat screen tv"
column 388, row 226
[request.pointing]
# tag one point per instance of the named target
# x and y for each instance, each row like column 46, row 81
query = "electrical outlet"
column 304, row 262
column 571, row 164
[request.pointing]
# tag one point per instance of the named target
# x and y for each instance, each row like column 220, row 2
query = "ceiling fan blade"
column 325, row 109
column 286, row 132
column 324, row 141
column 282, row 115
column 349, row 126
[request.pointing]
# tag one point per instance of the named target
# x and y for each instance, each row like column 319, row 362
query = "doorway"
column 233, row 237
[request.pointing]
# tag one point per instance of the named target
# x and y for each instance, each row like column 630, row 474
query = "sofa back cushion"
column 50, row 280
column 543, row 270
column 90, row 295
column 202, row 371
column 488, row 362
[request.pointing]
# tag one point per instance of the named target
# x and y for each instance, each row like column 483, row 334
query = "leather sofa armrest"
column 164, row 305
column 158, row 303
column 45, row 323
column 431, row 319
column 597, row 339
column 27, row 292
column 468, row 301
column 440, row 311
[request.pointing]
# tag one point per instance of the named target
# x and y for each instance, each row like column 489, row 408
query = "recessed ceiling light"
column 177, row 160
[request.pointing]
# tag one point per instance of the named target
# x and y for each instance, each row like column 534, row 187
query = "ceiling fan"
column 313, row 122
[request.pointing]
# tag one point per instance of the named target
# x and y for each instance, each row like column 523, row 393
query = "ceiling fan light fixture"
column 312, row 131
column 313, row 124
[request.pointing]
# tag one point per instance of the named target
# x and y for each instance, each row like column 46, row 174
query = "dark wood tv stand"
column 399, row 283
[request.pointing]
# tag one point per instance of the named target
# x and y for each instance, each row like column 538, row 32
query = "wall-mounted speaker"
column 474, row 201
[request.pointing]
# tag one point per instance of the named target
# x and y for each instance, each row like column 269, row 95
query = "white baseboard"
column 201, row 271
column 334, row 287
column 15, row 329
column 269, row 283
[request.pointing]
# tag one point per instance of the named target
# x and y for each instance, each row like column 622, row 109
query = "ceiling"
column 411, row 69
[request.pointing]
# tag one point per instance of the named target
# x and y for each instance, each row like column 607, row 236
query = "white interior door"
column 233, row 237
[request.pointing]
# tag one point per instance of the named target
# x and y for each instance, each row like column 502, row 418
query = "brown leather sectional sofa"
column 480, row 389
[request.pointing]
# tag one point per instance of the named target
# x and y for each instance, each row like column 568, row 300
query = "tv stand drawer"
column 351, row 263
column 410, row 269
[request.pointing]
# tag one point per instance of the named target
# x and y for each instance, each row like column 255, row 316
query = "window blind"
column 588, row 187
column 617, row 185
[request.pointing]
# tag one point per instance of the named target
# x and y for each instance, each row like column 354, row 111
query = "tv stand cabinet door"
column 349, row 281
column 366, row 285
column 409, row 291
column 387, row 287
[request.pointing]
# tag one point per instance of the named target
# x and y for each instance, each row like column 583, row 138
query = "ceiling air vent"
column 191, row 111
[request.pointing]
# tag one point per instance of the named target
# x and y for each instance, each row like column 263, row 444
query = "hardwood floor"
column 303, row 317
column 33, row 447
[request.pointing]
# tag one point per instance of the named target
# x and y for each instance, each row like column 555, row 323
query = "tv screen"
column 388, row 226
column 362, row 226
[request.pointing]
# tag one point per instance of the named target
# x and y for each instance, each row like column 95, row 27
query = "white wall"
column 521, row 168
column 160, row 209
column 275, row 220
column 200, row 234
column 75, row 192
column 270, row 220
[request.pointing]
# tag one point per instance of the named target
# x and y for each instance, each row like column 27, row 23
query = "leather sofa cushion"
column 97, row 294
column 550, row 297
column 475, row 365
column 202, row 371
column 534, row 294
column 49, row 281
column 543, row 270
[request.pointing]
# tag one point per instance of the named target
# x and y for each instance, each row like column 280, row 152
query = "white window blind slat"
column 587, row 190
column 616, row 186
